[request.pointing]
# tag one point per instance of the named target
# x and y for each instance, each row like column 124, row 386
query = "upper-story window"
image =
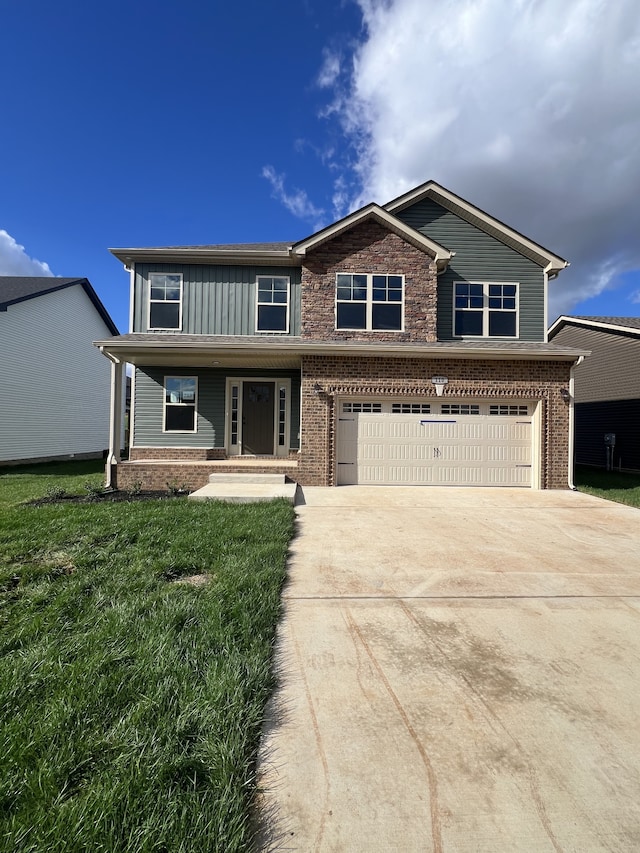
column 165, row 300
column 272, row 310
column 485, row 309
column 368, row 301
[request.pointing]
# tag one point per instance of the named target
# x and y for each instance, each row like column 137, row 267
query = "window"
column 501, row 409
column 369, row 302
column 460, row 409
column 180, row 403
column 410, row 408
column 485, row 310
column 272, row 313
column 371, row 408
column 165, row 301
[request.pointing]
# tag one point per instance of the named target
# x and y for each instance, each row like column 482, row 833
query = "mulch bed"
column 116, row 496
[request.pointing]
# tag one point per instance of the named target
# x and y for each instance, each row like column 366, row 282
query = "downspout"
column 572, row 485
column 115, row 418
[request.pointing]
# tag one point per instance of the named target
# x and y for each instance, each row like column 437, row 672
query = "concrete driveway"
column 460, row 671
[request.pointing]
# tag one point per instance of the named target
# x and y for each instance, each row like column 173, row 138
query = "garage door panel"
column 411, row 448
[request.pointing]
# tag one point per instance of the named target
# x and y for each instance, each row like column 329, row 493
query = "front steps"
column 245, row 488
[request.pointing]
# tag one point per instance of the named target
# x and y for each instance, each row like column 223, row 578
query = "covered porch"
column 202, row 405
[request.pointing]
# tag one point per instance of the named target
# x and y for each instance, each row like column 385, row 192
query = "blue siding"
column 479, row 257
column 149, row 402
column 217, row 300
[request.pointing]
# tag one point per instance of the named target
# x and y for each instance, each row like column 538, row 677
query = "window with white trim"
column 272, row 309
column 180, row 398
column 485, row 309
column 369, row 302
column 165, row 300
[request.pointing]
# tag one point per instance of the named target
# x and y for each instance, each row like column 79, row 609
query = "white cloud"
column 296, row 201
column 528, row 108
column 635, row 297
column 15, row 261
column 331, row 67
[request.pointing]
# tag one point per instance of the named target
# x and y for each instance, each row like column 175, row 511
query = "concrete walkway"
column 460, row 671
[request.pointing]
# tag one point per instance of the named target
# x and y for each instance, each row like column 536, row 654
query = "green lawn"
column 132, row 704
column 611, row 485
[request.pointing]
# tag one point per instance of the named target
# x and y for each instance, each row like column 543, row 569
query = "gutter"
column 571, row 471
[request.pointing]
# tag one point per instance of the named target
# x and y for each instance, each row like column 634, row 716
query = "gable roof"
column 15, row 289
column 551, row 262
column 373, row 211
column 614, row 325
column 291, row 254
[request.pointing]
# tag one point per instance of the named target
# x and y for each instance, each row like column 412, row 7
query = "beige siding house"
column 54, row 383
column 607, row 388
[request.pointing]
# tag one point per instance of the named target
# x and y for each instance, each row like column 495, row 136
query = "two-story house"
column 405, row 343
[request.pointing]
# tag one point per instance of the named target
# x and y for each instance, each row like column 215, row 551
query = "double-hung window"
column 165, row 300
column 485, row 309
column 272, row 310
column 369, row 301
column 180, row 393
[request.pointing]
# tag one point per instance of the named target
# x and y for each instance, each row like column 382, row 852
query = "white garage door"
column 435, row 443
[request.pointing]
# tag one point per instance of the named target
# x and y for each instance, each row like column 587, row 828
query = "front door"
column 257, row 417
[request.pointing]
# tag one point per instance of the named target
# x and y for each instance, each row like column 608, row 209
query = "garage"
column 436, row 443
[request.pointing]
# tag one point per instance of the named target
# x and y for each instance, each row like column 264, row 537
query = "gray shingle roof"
column 19, row 288
column 630, row 322
column 232, row 247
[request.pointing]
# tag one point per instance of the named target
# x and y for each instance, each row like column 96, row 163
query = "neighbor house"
column 405, row 343
column 607, row 388
column 54, row 384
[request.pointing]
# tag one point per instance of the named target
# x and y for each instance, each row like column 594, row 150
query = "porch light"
column 566, row 396
column 317, row 388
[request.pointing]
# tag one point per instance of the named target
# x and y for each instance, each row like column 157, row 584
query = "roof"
column 373, row 211
column 150, row 348
column 551, row 262
column 220, row 253
column 614, row 325
column 290, row 254
column 15, row 289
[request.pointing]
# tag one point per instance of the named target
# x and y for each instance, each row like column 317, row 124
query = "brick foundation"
column 155, row 475
column 190, row 454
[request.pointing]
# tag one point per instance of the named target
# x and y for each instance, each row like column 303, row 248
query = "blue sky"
column 147, row 124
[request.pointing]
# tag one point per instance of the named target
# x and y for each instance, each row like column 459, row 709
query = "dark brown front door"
column 257, row 417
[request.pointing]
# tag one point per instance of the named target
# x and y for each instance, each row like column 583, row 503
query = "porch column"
column 115, row 421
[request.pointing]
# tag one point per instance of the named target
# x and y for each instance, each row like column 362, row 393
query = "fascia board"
column 435, row 250
column 473, row 214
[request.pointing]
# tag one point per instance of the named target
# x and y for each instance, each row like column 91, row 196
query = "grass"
column 611, row 485
column 132, row 704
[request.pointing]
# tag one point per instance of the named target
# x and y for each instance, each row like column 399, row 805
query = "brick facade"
column 368, row 248
column 411, row 377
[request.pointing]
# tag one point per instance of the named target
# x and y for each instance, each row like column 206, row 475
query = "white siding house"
column 54, row 384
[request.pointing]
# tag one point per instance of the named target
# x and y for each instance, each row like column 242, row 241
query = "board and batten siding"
column 478, row 257
column 611, row 372
column 148, row 407
column 55, row 385
column 217, row 300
